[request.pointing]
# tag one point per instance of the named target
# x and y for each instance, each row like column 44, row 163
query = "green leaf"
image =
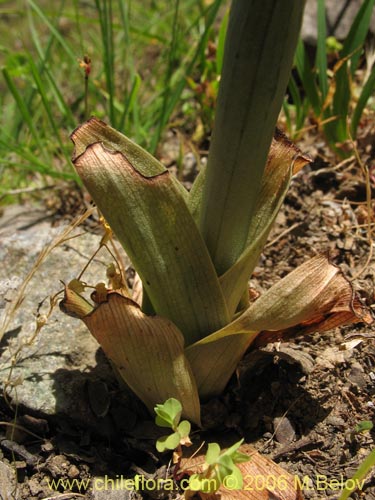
column 215, row 362
column 170, row 442
column 221, row 43
column 239, row 458
column 321, row 52
column 284, row 160
column 234, row 478
column 213, row 452
column 232, row 449
column 195, row 195
column 357, row 34
column 366, row 93
column 145, row 206
column 313, row 297
column 352, row 49
column 364, row 426
column 307, row 292
column 359, row 476
column 307, row 77
column 168, row 414
column 184, row 428
column 337, row 129
column 224, row 467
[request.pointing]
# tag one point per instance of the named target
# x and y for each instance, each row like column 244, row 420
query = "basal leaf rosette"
column 187, row 343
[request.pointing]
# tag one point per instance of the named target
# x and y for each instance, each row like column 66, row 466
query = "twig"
column 301, row 443
column 20, row 450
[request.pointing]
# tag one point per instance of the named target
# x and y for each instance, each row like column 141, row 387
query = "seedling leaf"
column 213, row 452
column 168, row 414
column 169, row 442
column 184, row 429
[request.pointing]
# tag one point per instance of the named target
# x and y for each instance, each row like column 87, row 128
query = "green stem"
column 261, row 40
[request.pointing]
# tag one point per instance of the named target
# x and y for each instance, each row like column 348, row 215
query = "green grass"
column 153, row 65
column 141, row 55
column 335, row 97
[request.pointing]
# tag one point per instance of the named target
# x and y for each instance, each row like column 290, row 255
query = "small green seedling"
column 168, row 415
column 220, row 468
column 364, row 426
column 361, row 428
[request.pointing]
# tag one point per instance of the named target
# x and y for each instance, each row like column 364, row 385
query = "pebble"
column 357, row 377
column 189, row 167
column 73, row 471
column 57, row 465
column 34, row 486
column 284, row 430
column 336, row 422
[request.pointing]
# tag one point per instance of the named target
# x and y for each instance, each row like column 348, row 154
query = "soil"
column 299, row 403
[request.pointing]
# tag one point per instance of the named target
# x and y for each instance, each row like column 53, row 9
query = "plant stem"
column 261, row 40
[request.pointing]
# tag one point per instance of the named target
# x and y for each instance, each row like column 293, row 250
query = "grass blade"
column 104, row 9
column 24, row 110
column 168, row 75
column 175, row 93
column 357, row 34
column 64, row 44
column 366, row 93
column 307, row 77
column 359, row 476
column 321, row 50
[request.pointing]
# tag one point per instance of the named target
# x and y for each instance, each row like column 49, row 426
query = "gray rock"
column 284, row 430
column 340, row 16
column 53, row 370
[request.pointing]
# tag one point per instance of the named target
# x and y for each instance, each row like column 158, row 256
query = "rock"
column 35, row 486
column 340, row 16
column 295, row 355
column 284, row 430
column 332, row 356
column 7, row 482
column 337, row 422
column 57, row 465
column 73, row 472
column 357, row 376
column 53, row 369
